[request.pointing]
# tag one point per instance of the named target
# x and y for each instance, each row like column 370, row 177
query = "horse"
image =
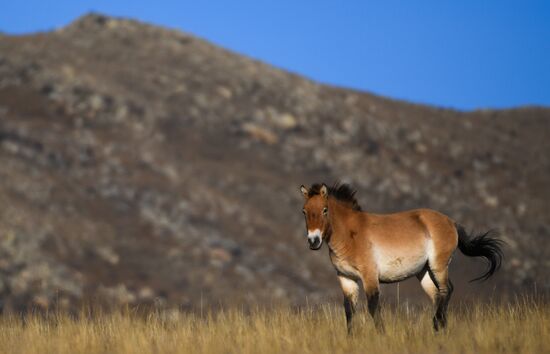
column 389, row 248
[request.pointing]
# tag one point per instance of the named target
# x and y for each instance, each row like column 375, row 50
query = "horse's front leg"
column 372, row 290
column 350, row 288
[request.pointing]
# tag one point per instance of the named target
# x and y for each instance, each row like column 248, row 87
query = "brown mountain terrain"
column 143, row 165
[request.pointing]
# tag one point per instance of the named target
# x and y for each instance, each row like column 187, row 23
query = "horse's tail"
column 482, row 245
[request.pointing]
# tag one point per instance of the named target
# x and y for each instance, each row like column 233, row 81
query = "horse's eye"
column 325, row 211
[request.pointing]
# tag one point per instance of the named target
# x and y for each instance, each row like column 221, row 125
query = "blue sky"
column 464, row 54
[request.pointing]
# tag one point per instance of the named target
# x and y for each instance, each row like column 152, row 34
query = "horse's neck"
column 340, row 228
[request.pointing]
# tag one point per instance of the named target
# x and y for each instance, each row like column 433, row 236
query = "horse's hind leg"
column 442, row 296
column 427, row 284
column 350, row 288
column 444, row 239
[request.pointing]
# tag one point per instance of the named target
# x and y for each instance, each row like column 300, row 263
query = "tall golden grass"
column 521, row 327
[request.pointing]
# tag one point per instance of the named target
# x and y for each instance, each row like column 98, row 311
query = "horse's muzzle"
column 314, row 242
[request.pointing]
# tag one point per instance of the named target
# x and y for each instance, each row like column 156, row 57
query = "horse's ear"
column 324, row 191
column 304, row 191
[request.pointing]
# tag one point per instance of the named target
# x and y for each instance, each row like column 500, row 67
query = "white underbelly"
column 394, row 266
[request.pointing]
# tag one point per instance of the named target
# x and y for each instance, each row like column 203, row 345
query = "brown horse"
column 387, row 248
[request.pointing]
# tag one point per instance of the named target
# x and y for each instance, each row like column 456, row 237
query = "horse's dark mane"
column 342, row 192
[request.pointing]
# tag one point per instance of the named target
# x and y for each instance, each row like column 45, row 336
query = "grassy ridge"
column 523, row 327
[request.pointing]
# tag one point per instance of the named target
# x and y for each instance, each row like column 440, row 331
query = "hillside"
column 145, row 165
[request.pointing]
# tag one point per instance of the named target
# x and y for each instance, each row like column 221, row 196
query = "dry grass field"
column 522, row 327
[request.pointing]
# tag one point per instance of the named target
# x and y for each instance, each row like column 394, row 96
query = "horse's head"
column 316, row 213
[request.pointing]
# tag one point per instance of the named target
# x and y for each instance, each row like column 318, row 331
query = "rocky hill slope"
column 146, row 166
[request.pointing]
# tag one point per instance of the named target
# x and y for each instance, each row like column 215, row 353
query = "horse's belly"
column 393, row 267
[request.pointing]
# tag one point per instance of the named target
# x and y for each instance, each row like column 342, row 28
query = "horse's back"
column 411, row 223
column 414, row 220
